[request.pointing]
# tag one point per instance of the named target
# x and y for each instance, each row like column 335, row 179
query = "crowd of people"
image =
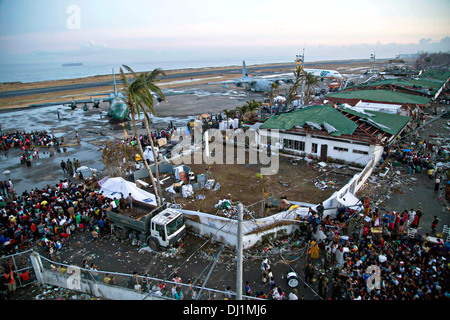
column 25, row 140
column 29, row 144
column 378, row 260
column 49, row 217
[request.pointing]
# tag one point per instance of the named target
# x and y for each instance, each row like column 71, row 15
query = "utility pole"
column 372, row 56
column 240, row 210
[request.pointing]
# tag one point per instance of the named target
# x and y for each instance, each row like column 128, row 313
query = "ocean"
column 27, row 72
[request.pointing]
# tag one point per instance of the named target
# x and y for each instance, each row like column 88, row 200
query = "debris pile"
column 327, row 184
column 49, row 292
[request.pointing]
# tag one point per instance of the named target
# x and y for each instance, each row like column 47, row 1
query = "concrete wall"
column 97, row 289
column 353, row 154
column 225, row 230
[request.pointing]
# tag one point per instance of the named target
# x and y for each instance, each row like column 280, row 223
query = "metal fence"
column 144, row 284
column 23, row 270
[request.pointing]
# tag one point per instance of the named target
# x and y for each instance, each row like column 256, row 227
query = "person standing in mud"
column 69, row 167
column 63, row 166
column 76, row 164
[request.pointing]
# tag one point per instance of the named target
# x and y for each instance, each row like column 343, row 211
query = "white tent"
column 115, row 187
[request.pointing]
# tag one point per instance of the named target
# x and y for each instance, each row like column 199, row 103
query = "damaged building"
column 328, row 133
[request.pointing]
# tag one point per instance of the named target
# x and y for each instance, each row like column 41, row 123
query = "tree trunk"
column 158, row 182
column 133, row 121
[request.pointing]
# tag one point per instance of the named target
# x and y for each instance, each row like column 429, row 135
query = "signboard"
column 161, row 142
column 376, row 229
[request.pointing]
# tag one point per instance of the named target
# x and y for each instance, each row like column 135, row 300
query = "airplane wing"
column 247, row 81
column 72, row 103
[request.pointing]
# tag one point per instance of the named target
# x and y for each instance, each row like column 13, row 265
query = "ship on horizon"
column 76, row 64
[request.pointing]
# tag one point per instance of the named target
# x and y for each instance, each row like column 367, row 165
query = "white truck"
column 160, row 228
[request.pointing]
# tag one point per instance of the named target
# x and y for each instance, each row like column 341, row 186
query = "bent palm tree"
column 140, row 99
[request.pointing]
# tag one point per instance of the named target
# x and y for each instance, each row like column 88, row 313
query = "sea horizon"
column 49, row 71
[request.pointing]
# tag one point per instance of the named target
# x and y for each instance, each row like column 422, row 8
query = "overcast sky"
column 113, row 30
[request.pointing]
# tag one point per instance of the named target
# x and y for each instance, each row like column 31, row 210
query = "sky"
column 136, row 31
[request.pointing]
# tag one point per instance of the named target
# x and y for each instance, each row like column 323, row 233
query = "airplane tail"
column 244, row 70
column 115, row 84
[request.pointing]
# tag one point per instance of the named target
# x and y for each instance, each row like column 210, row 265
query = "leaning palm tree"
column 140, row 99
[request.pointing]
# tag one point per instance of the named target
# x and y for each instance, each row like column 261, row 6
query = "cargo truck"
column 159, row 228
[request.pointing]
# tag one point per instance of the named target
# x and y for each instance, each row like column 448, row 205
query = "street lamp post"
column 372, row 56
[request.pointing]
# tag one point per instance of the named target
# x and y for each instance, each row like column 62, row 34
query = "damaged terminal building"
column 352, row 127
column 331, row 133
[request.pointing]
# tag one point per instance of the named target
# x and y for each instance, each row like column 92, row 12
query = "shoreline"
column 181, row 70
column 22, row 102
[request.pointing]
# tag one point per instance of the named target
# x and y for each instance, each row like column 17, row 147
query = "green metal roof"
column 313, row 115
column 333, row 121
column 435, row 74
column 381, row 96
column 386, row 122
column 419, row 83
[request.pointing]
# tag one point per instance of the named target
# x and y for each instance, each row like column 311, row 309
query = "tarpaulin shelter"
column 114, row 188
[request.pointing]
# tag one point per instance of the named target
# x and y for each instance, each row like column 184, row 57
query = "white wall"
column 348, row 156
column 225, row 230
column 100, row 290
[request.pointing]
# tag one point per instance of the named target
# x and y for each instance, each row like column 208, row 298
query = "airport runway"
column 252, row 70
column 190, row 74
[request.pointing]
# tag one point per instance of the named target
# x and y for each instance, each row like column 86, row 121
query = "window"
column 360, row 151
column 340, row 149
column 314, row 148
column 294, row 144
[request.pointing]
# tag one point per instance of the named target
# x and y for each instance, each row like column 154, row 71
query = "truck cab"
column 166, row 229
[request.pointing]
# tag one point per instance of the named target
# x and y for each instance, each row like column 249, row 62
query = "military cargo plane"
column 265, row 84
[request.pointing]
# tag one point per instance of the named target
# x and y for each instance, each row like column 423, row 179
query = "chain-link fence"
column 23, row 271
column 148, row 286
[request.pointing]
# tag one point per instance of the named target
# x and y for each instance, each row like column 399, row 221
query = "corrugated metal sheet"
column 386, row 122
column 314, row 114
column 381, row 96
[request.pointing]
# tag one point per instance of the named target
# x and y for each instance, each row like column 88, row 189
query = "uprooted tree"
column 119, row 158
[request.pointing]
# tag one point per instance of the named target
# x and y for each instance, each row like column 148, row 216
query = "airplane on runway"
column 324, row 73
column 265, row 84
column 117, row 110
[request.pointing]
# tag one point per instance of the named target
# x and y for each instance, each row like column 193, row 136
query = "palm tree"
column 243, row 110
column 273, row 88
column 140, row 99
column 252, row 107
column 310, row 82
column 229, row 113
column 293, row 90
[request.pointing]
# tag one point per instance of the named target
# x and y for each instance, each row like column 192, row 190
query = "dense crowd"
column 377, row 260
column 48, row 218
column 25, row 140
